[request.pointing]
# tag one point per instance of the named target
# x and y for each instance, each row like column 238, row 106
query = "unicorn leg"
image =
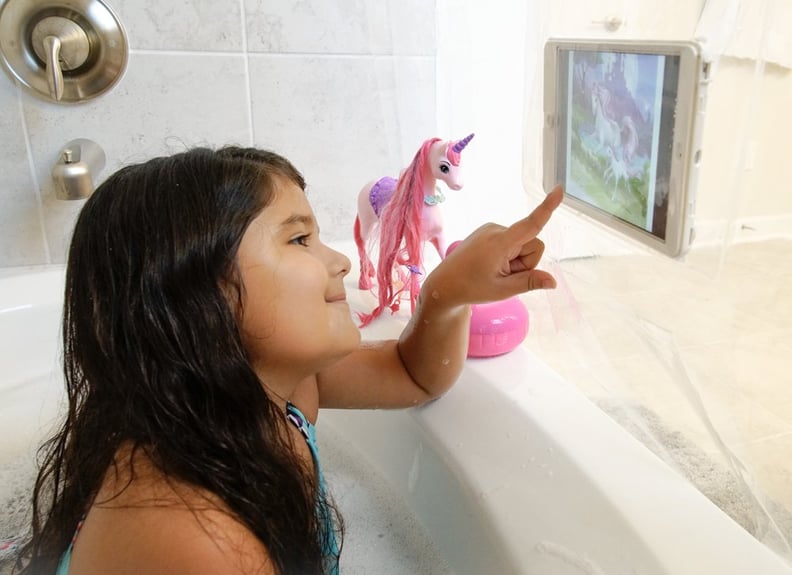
column 366, row 267
column 440, row 245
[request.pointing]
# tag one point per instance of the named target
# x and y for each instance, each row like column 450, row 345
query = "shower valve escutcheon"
column 62, row 50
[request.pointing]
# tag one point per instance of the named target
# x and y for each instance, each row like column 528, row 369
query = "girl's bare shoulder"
column 145, row 522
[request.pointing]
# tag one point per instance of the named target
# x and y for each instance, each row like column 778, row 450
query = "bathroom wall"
column 346, row 90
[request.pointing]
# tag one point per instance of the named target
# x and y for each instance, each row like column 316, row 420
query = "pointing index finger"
column 528, row 228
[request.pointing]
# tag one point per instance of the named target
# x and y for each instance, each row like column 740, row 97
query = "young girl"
column 205, row 324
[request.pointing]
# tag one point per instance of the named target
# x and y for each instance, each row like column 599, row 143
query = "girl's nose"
column 346, row 265
column 339, row 263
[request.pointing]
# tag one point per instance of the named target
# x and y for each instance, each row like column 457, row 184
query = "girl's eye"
column 300, row 240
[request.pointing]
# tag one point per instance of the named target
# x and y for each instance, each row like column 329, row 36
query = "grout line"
column 350, row 55
column 284, row 55
column 33, row 176
column 157, row 52
column 246, row 53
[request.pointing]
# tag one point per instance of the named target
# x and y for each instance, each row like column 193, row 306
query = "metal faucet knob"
column 62, row 45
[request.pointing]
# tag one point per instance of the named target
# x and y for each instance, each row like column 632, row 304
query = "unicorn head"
column 445, row 158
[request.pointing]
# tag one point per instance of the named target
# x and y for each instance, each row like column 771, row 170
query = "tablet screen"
column 615, row 132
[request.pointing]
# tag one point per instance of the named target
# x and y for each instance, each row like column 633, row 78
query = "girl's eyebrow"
column 298, row 219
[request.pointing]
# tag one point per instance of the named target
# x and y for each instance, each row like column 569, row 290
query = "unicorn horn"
column 460, row 145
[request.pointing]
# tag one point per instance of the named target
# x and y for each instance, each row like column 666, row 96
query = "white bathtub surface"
column 513, row 471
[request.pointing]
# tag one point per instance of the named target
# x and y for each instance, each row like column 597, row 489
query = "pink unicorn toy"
column 408, row 214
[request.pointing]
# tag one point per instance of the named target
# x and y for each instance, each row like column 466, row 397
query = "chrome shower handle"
column 52, row 46
column 62, row 44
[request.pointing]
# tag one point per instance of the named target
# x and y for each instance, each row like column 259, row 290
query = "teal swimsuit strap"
column 305, row 427
column 308, row 431
column 65, row 561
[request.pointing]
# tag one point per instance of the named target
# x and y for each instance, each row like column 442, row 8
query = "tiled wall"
column 345, row 89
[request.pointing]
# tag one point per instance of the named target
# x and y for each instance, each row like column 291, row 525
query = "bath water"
column 381, row 533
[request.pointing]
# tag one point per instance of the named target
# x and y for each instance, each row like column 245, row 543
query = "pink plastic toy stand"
column 496, row 327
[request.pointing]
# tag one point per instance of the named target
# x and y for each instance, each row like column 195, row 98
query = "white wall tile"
column 342, row 121
column 165, row 103
column 202, row 25
column 21, row 239
column 344, row 27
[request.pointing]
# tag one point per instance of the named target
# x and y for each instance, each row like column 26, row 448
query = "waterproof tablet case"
column 622, row 133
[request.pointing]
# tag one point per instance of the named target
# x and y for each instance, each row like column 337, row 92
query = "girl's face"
column 295, row 319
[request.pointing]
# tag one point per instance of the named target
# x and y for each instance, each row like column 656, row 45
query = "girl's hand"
column 494, row 262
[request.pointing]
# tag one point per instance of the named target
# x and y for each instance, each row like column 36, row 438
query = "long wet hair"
column 153, row 356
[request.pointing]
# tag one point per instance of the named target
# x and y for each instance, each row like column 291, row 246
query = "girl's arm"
column 492, row 264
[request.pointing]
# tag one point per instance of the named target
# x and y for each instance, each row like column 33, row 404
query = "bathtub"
column 513, row 471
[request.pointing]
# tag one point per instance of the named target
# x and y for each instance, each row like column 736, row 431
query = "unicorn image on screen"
column 615, row 105
column 406, row 212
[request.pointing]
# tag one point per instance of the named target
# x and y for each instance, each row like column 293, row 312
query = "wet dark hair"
column 153, row 356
